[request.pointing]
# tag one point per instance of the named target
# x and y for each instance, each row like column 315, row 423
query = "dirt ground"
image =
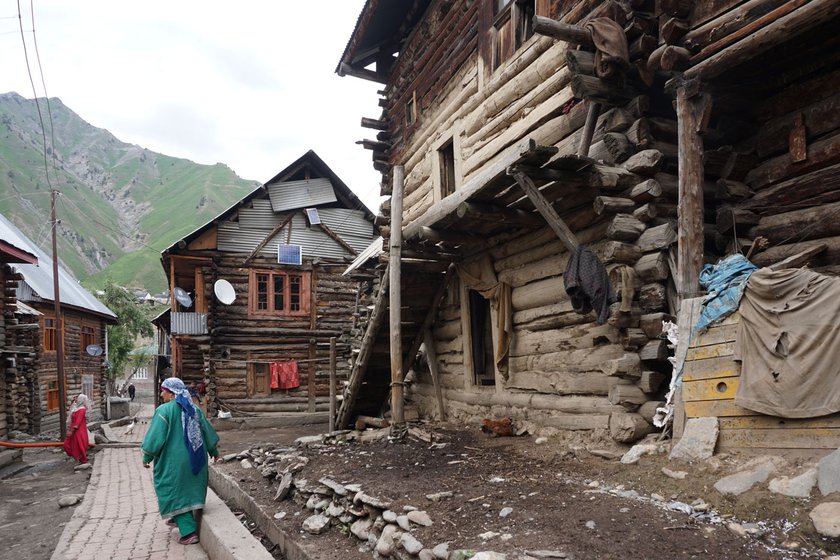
column 562, row 498
column 30, row 520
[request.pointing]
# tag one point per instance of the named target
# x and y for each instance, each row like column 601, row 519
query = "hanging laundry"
column 588, row 285
column 284, row 375
column 788, row 341
column 724, row 283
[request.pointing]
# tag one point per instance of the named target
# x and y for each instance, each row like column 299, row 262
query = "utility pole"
column 59, row 335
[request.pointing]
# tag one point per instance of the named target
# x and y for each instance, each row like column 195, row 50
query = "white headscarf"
column 82, row 401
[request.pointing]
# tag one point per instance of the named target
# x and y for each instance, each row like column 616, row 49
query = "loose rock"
column 316, row 524
column 441, row 551
column 420, row 518
column 826, row 519
column 410, row 544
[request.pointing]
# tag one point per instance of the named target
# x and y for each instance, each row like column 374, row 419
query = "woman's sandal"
column 192, row 538
column 171, row 523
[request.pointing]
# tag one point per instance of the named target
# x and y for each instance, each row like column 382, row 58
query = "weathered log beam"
column 546, row 210
column 496, row 214
column 375, row 124
column 563, row 31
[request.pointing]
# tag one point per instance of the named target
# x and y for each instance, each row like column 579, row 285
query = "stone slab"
column 698, row 440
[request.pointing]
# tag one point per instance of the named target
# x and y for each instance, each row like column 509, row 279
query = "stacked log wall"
column 77, row 364
column 237, row 337
column 23, row 398
column 563, row 369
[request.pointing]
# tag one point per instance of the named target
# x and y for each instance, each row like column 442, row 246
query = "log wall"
column 237, row 338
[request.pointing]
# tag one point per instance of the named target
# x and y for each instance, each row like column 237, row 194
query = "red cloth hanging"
column 284, row 375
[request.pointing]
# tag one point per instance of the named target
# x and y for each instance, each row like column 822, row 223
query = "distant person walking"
column 131, row 391
column 178, row 441
column 77, row 441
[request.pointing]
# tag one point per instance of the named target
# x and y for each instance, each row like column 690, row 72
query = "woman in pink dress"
column 76, row 443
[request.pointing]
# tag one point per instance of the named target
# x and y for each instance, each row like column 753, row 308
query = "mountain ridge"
column 120, row 203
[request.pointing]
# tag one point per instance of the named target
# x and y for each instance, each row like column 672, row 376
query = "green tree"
column 131, row 323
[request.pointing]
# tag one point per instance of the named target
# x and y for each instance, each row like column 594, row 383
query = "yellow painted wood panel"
column 711, row 368
column 721, row 409
column 713, row 351
column 715, row 335
column 794, row 438
column 710, row 389
column 764, row 422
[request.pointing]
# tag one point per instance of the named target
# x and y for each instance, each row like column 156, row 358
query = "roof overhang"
column 12, row 254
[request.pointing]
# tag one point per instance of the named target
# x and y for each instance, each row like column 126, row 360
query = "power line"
column 43, row 83
column 113, row 229
column 35, row 94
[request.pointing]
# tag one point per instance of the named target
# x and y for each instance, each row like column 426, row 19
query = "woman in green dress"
column 178, row 441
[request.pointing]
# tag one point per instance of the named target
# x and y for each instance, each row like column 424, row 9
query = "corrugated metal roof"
column 261, row 216
column 373, row 250
column 40, row 279
column 350, row 225
column 300, row 194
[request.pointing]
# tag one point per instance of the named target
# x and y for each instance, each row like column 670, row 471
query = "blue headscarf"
column 190, row 422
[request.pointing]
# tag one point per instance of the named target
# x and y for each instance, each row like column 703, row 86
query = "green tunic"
column 178, row 489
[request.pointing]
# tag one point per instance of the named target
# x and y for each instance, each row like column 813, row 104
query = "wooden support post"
column 431, row 358
column 310, row 382
column 332, row 384
column 395, row 300
column 589, row 128
column 546, row 209
column 692, row 114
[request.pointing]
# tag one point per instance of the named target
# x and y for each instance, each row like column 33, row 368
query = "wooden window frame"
column 253, row 374
column 511, row 28
column 48, row 337
column 446, row 151
column 86, row 338
column 472, row 380
column 52, row 395
column 286, row 311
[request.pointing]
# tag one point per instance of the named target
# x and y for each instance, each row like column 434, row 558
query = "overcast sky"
column 250, row 83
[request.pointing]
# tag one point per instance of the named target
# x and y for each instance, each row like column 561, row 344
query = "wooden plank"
column 710, row 389
column 546, row 210
column 711, row 368
column 715, row 335
column 764, row 422
column 720, row 409
column 395, row 299
column 713, row 351
column 817, row 438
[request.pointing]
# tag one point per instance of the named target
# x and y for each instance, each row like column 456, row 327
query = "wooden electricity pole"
column 59, row 337
column 395, row 302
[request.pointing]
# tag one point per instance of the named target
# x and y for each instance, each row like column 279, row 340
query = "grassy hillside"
column 120, row 204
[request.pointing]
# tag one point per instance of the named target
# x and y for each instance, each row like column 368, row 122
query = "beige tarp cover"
column 480, row 276
column 789, row 344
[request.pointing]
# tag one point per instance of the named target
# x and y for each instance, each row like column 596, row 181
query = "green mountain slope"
column 120, row 204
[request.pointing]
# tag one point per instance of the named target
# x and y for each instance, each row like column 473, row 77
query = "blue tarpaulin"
column 725, row 283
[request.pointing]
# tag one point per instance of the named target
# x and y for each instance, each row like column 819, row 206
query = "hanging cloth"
column 788, row 341
column 588, row 284
column 284, row 375
column 612, row 57
column 480, row 276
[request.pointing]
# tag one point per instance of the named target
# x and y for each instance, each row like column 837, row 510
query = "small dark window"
column 411, row 109
column 512, row 27
column 447, row 169
column 482, row 340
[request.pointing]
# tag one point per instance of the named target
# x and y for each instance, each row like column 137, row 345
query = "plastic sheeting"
column 725, row 283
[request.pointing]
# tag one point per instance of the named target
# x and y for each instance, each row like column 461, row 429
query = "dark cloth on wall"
column 612, row 56
column 588, row 284
column 284, row 375
column 788, row 342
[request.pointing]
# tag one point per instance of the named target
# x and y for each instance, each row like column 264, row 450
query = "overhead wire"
column 43, row 84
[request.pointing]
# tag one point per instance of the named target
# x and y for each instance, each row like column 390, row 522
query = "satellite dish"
column 94, row 350
column 183, row 297
column 224, row 291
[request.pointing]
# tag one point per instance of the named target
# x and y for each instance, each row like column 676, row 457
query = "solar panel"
column 289, row 254
column 312, row 216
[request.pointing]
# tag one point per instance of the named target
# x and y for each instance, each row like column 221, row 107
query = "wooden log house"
column 507, row 143
column 11, row 395
column 30, row 370
column 281, row 251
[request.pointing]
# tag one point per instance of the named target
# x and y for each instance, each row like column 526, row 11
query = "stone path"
column 119, row 515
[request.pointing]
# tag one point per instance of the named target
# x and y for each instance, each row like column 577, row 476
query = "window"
column 52, row 395
column 141, row 373
column 411, row 109
column 512, row 26
column 49, row 335
column 447, row 169
column 87, row 337
column 279, row 293
column 87, row 387
column 481, row 340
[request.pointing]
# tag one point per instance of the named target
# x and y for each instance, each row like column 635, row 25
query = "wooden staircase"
column 370, row 377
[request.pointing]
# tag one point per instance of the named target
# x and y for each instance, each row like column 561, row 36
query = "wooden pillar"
column 332, row 384
column 395, row 301
column 431, row 359
column 592, row 114
column 310, row 381
column 692, row 116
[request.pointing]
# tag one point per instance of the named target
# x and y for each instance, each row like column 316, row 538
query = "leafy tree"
column 132, row 322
